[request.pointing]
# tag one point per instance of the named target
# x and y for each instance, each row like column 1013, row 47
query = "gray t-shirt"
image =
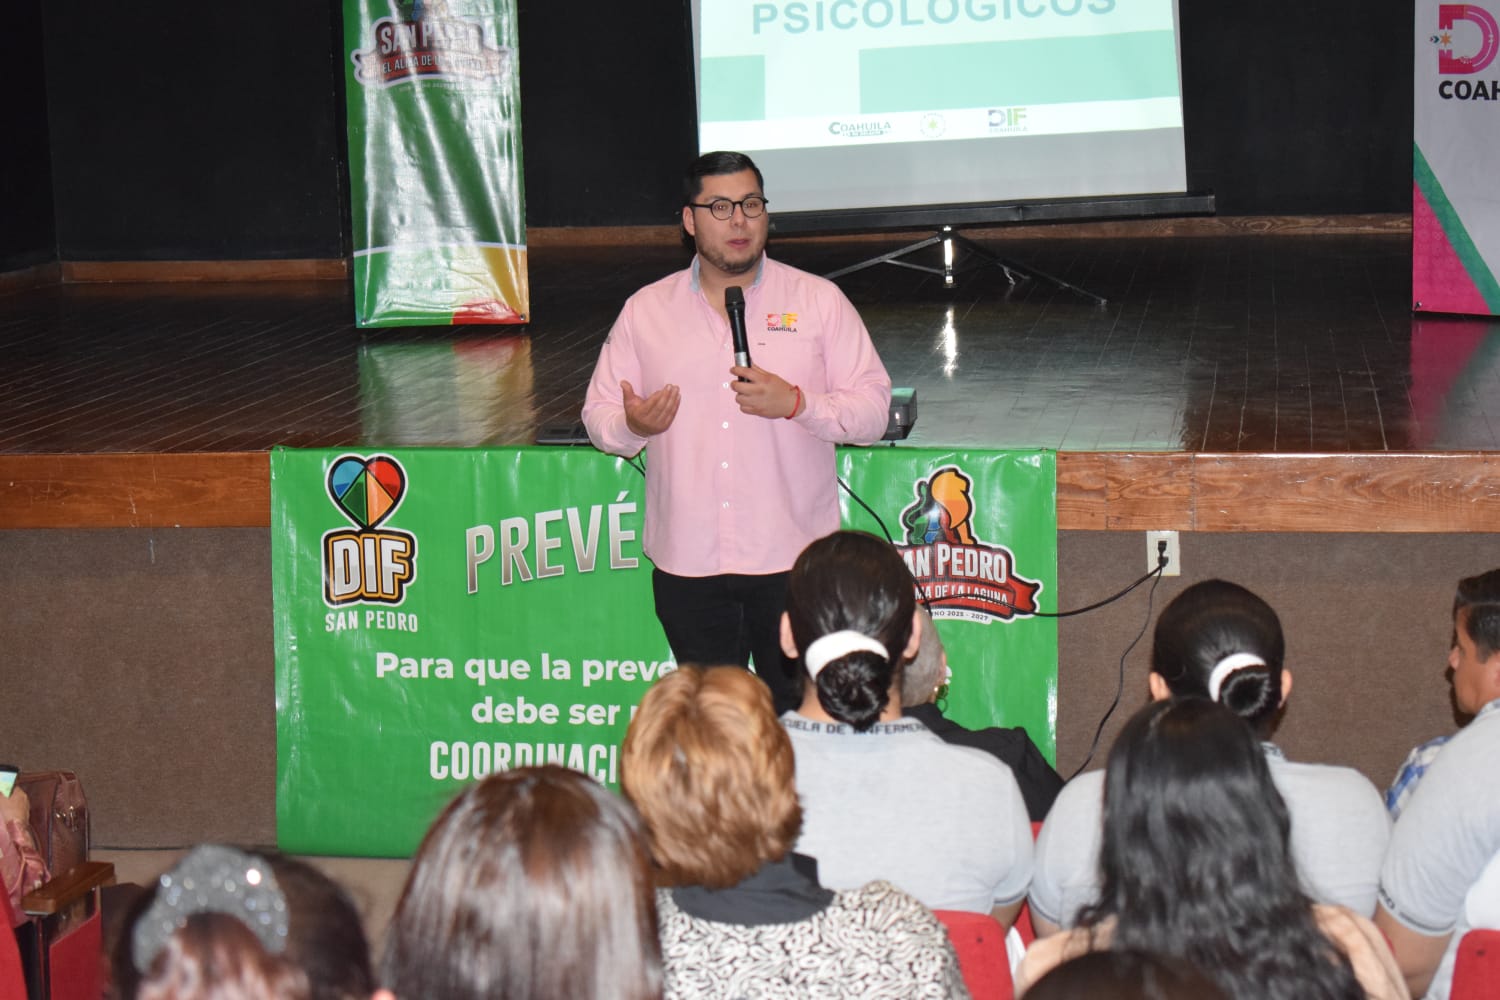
column 944, row 823
column 1448, row 835
column 1340, row 830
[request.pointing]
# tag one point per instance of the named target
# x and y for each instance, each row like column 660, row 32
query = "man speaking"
column 739, row 458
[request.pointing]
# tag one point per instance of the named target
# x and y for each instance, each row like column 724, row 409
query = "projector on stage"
column 903, row 414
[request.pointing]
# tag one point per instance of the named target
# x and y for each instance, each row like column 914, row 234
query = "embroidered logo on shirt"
column 781, row 322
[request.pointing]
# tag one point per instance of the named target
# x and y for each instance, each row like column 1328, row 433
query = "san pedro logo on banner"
column 367, row 564
column 961, row 575
column 430, row 43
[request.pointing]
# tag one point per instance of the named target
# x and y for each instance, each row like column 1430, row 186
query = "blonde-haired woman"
column 710, row 769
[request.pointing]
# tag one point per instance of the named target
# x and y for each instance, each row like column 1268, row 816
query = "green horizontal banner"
column 444, row 613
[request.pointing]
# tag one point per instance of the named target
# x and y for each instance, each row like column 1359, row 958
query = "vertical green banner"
column 979, row 531
column 444, row 613
column 435, row 162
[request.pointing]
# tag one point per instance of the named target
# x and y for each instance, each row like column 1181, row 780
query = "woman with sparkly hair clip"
column 533, row 884
column 882, row 797
column 216, row 928
column 1219, row 641
column 324, row 937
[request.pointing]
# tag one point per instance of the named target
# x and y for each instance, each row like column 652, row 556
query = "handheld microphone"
column 734, row 304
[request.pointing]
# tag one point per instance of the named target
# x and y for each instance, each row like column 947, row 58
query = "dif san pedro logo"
column 961, row 575
column 367, row 563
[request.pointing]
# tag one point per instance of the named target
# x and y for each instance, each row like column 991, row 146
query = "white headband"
column 1227, row 666
column 830, row 647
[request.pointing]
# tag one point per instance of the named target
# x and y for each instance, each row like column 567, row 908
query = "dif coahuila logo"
column 365, row 565
column 961, row 574
column 1467, row 40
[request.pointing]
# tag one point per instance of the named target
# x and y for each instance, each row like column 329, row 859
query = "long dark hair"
column 851, row 580
column 1124, row 975
column 1205, row 625
column 534, row 884
column 1196, row 862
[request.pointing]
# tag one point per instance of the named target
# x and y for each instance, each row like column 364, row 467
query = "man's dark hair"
column 716, row 164
column 1477, row 606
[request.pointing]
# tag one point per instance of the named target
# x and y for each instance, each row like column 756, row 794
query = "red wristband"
column 796, row 404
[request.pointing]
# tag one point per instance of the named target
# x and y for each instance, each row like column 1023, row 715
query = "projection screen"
column 868, row 104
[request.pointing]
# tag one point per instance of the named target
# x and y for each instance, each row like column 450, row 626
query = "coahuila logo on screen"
column 859, row 130
column 364, row 565
column 1458, row 23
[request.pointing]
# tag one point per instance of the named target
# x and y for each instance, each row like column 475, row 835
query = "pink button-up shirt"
column 727, row 492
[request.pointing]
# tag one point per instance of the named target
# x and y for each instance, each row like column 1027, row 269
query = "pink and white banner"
column 1456, row 159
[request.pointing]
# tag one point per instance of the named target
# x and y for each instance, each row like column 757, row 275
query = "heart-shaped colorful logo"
column 367, row 490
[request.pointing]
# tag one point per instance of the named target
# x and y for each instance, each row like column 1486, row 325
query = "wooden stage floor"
column 1272, row 383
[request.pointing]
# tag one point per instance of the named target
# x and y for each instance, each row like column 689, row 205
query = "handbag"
column 59, row 817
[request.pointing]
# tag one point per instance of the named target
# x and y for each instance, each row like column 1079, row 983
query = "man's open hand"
column 652, row 414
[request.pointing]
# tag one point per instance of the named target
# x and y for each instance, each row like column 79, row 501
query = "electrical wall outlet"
column 1154, row 551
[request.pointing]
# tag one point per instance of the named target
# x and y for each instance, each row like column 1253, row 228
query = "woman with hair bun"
column 1217, row 640
column 882, row 797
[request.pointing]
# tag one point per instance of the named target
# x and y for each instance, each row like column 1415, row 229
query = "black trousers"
column 729, row 619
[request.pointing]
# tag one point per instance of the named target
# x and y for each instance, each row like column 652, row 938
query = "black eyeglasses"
column 723, row 209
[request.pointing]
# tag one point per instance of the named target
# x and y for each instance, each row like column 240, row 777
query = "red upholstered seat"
column 12, row 973
column 979, row 941
column 1476, row 970
column 68, row 933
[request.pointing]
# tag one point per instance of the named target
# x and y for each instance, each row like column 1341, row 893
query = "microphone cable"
column 1120, row 680
column 927, row 603
column 1154, row 576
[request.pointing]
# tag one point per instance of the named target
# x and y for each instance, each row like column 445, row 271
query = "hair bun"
column 1227, row 666
column 824, row 650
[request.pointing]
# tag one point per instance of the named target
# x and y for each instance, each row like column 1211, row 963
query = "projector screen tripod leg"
column 1012, row 267
column 954, row 265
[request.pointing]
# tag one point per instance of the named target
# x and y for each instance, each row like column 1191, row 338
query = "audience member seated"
column 22, row 867
column 924, row 682
column 1124, row 975
column 1410, row 772
column 216, row 925
column 1448, row 835
column 1196, row 865
column 533, row 884
column 882, row 797
column 324, row 938
column 711, row 771
column 1219, row 641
